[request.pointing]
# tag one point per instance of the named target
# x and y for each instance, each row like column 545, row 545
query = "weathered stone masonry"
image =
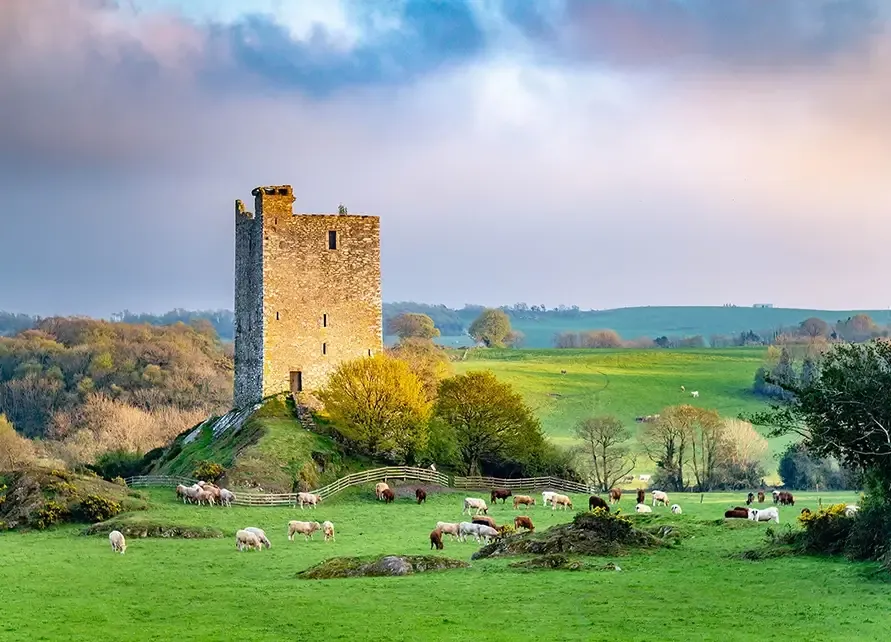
column 307, row 294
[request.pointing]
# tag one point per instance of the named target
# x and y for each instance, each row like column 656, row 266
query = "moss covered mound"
column 38, row 498
column 595, row 533
column 152, row 528
column 386, row 566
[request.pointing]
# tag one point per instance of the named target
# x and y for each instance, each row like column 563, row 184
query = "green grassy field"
column 60, row 585
column 626, row 383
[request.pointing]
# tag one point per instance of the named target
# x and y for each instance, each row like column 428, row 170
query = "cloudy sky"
column 603, row 153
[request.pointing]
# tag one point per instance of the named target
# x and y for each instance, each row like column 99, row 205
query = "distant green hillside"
column 630, row 323
column 626, row 383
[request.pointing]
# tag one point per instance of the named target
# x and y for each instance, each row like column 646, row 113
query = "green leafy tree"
column 604, row 446
column 379, row 404
column 492, row 328
column 410, row 325
column 490, row 420
column 844, row 411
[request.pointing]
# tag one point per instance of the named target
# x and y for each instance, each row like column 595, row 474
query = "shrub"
column 870, row 536
column 120, row 481
column 827, row 530
column 119, row 463
column 97, row 508
column 50, row 513
column 208, row 471
column 308, row 477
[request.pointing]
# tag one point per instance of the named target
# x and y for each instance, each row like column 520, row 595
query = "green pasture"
column 60, row 585
column 626, row 383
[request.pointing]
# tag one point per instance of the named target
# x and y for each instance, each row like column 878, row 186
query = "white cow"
column 676, row 509
column 475, row 503
column 695, row 394
column 764, row 514
column 547, row 496
column 467, row 528
column 660, row 497
column 643, row 508
column 309, row 499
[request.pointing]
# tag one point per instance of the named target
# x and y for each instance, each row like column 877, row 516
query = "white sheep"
column 660, row 497
column 247, row 540
column 261, row 535
column 304, row 528
column 851, row 510
column 328, row 529
column 117, row 541
column 449, row 528
column 764, row 514
column 309, row 499
column 475, row 503
column 676, row 509
column 643, row 508
column 695, row 394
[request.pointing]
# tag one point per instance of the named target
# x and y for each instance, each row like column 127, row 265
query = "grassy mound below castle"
column 271, row 451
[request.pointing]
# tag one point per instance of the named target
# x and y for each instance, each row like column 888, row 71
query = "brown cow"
column 421, row 495
column 436, row 539
column 641, row 496
column 737, row 513
column 388, row 495
column 500, row 493
column 786, row 499
column 484, row 519
column 523, row 499
column 596, row 502
column 615, row 495
column 523, row 522
column 760, row 496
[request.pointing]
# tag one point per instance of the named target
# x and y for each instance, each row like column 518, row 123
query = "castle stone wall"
column 318, row 306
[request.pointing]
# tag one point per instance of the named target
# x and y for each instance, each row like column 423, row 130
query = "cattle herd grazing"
column 482, row 527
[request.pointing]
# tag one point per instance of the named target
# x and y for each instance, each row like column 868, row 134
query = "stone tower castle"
column 307, row 294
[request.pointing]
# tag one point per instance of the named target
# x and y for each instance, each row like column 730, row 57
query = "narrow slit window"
column 324, row 348
column 369, row 353
column 324, row 320
column 332, row 240
column 276, row 316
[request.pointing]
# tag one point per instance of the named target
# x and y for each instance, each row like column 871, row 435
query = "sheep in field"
column 309, row 499
column 328, row 530
column 247, row 540
column 676, row 509
column 660, row 497
column 764, row 514
column 643, row 508
column 561, row 500
column 261, row 535
column 851, row 510
column 117, row 541
column 525, row 500
column 475, row 503
column 448, row 528
column 304, row 528
column 226, row 497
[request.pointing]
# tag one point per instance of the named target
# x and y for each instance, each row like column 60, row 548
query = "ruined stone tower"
column 307, row 294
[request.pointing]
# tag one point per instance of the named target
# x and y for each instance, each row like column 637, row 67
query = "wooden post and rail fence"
column 425, row 475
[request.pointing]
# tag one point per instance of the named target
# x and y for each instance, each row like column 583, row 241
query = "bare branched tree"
column 603, row 443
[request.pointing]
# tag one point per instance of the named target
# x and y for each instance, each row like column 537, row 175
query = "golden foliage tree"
column 491, row 327
column 429, row 362
column 15, row 450
column 411, row 325
column 379, row 404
